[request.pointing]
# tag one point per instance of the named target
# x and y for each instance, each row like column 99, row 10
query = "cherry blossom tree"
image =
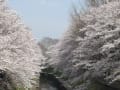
column 20, row 56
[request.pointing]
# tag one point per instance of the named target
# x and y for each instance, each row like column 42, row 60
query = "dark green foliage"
column 50, row 76
column 65, row 78
column 51, row 70
column 52, row 80
column 48, row 70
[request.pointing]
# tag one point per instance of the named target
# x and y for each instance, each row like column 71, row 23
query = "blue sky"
column 46, row 18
